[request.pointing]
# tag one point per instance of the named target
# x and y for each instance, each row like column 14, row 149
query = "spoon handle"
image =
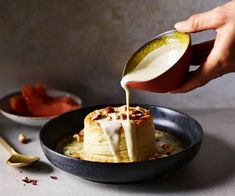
column 7, row 146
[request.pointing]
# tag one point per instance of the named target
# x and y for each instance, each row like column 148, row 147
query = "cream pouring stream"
column 154, row 64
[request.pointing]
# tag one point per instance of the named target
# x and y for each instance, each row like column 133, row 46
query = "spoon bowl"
column 171, row 76
column 17, row 159
column 20, row 160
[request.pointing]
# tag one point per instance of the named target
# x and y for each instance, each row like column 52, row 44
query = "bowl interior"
column 186, row 128
column 158, row 41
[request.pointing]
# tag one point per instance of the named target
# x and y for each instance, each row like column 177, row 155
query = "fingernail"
column 180, row 25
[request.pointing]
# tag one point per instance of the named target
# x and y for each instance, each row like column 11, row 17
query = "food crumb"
column 77, row 137
column 54, row 177
column 29, row 181
column 23, row 139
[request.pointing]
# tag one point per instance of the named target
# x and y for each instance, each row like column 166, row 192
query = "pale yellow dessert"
column 107, row 137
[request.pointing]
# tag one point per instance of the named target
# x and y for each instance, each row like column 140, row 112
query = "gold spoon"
column 17, row 159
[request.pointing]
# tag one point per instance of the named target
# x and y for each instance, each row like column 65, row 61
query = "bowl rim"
column 20, row 117
column 196, row 142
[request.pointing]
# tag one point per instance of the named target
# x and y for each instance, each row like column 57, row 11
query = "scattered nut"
column 138, row 112
column 134, row 117
column 144, row 117
column 168, row 148
column 123, row 116
column 77, row 137
column 81, row 133
column 97, row 116
column 28, row 180
column 109, row 118
column 23, row 139
column 117, row 117
column 54, row 177
column 109, row 109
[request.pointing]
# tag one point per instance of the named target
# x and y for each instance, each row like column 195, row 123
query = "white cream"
column 111, row 130
column 129, row 129
column 130, row 135
column 153, row 65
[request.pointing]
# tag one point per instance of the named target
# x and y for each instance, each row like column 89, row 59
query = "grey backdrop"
column 82, row 47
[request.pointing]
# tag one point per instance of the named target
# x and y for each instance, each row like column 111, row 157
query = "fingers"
column 208, row 20
column 190, row 83
column 200, row 52
column 209, row 70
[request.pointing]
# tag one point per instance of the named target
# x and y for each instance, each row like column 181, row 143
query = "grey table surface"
column 212, row 172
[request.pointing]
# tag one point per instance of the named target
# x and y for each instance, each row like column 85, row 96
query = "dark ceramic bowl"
column 171, row 78
column 184, row 127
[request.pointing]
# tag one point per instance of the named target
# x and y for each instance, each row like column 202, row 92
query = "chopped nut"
column 131, row 112
column 138, row 112
column 109, row 118
column 54, row 177
column 144, row 117
column 123, row 116
column 117, row 117
column 34, row 182
column 77, row 137
column 97, row 116
column 25, row 179
column 81, row 133
column 109, row 109
column 23, row 139
column 134, row 117
column 168, row 148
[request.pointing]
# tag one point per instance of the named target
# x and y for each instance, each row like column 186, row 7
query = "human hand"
column 216, row 57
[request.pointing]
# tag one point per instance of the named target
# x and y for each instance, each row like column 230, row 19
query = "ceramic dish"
column 171, row 78
column 31, row 121
column 183, row 126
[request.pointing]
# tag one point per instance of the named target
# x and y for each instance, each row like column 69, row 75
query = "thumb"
column 212, row 19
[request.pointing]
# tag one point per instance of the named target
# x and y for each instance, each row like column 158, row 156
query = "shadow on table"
column 40, row 167
column 9, row 132
column 214, row 165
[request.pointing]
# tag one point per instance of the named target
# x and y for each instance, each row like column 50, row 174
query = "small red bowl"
column 171, row 78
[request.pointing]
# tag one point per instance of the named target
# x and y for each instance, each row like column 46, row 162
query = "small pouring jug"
column 172, row 77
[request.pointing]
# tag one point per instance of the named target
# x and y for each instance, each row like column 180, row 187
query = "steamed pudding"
column 107, row 137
